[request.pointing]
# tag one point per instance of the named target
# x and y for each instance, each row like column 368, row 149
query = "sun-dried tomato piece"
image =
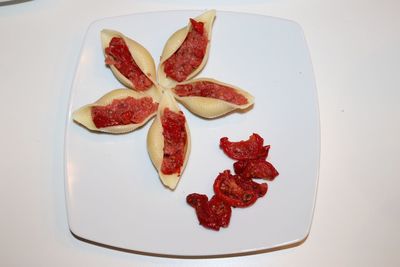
column 250, row 149
column 231, row 189
column 222, row 210
column 203, row 211
column 211, row 214
column 258, row 168
column 248, row 184
column 196, row 200
column 264, row 152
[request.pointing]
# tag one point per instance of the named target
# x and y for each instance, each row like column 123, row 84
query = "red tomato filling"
column 210, row 89
column 175, row 139
column 189, row 55
column 211, row 214
column 118, row 54
column 197, row 26
column 123, row 111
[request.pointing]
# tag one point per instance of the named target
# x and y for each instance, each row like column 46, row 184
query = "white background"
column 354, row 46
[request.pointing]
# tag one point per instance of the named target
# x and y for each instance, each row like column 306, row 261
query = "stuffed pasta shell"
column 186, row 51
column 119, row 111
column 210, row 98
column 168, row 141
column 130, row 62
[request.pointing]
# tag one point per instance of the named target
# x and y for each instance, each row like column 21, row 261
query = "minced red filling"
column 175, row 139
column 117, row 54
column 123, row 111
column 189, row 55
column 210, row 89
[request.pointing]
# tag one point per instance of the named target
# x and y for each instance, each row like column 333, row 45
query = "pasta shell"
column 140, row 55
column 155, row 142
column 209, row 107
column 83, row 115
column 175, row 42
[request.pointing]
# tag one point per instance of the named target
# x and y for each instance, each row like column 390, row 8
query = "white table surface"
column 355, row 48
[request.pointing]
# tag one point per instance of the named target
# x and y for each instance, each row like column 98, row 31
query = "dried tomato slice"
column 248, row 184
column 196, row 200
column 231, row 189
column 211, row 214
column 250, row 149
column 258, row 168
column 264, row 152
column 239, row 166
column 204, row 214
column 222, row 210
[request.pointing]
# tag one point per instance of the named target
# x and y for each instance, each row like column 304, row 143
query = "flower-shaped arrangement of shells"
column 152, row 92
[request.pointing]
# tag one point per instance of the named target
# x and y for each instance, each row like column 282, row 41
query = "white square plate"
column 114, row 196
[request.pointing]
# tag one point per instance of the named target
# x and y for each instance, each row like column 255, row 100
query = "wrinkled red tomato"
column 118, row 54
column 189, row 55
column 256, row 168
column 211, row 214
column 259, row 189
column 252, row 148
column 234, row 191
column 222, row 210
